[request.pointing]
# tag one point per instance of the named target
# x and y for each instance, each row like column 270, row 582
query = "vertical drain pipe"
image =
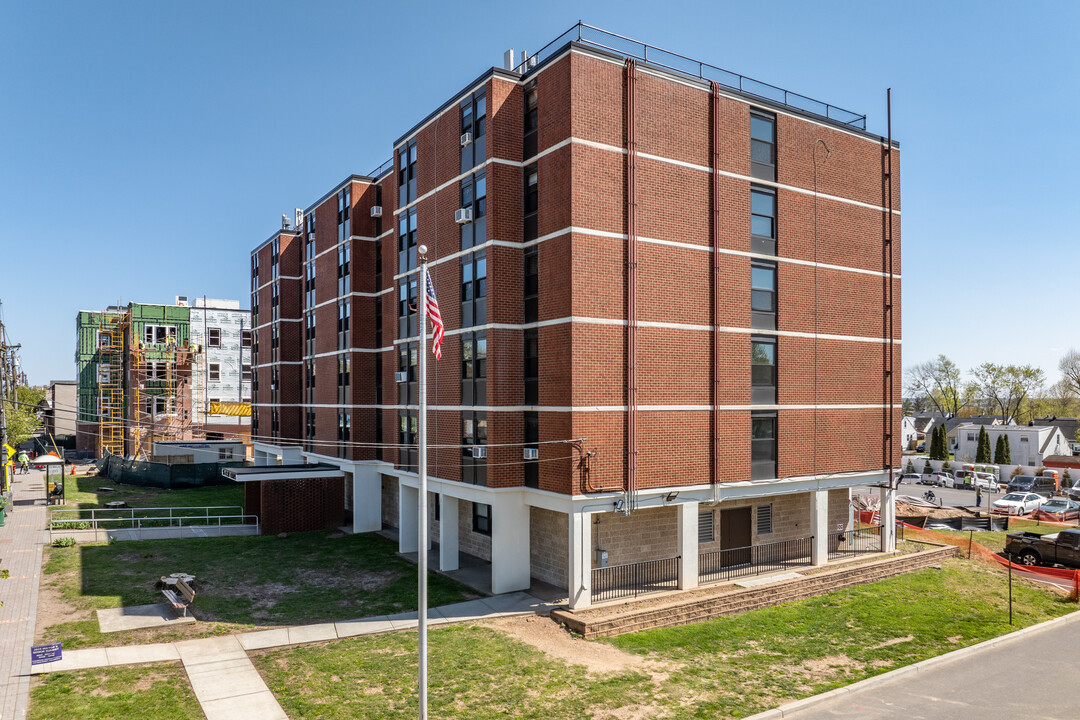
column 715, row 283
column 890, row 370
column 631, row 288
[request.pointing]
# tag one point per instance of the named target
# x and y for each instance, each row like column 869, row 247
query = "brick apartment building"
column 673, row 321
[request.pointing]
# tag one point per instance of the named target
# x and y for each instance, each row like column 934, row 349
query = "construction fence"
column 163, row 475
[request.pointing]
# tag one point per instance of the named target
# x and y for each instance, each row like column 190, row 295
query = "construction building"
column 672, row 307
column 137, row 366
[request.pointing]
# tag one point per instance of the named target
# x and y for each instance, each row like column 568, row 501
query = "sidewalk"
column 225, row 681
column 21, row 542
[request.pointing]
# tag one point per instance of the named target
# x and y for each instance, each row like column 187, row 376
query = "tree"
column 939, row 449
column 1006, row 452
column 1008, row 387
column 1069, row 365
column 910, row 469
column 1066, row 479
column 982, row 452
column 22, row 419
column 927, row 468
column 999, row 450
column 935, row 438
column 939, row 383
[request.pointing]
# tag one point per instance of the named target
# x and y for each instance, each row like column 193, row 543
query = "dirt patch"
column 905, row 510
column 53, row 609
column 146, row 681
column 894, row 641
column 546, row 635
column 826, row 668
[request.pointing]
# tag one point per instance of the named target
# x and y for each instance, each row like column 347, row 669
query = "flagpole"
column 422, row 551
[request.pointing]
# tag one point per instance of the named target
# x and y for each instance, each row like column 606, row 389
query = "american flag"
column 436, row 317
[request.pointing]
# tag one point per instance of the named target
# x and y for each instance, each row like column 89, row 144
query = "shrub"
column 947, row 467
column 927, row 468
column 63, row 542
column 1018, row 470
column 910, row 469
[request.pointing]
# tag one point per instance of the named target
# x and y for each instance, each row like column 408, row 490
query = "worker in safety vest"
column 24, row 461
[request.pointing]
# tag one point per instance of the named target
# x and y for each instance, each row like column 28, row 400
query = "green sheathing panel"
column 143, row 315
column 86, row 362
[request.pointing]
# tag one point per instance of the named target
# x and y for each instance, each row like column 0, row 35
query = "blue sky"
column 148, row 147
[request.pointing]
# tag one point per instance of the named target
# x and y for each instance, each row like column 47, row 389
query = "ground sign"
column 45, row 653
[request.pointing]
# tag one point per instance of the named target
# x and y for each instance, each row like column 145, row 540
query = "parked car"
column 1062, row 509
column 921, row 447
column 1040, row 484
column 943, row 479
column 972, row 479
column 931, row 479
column 909, row 478
column 1073, row 493
column 1017, row 504
column 1060, row 548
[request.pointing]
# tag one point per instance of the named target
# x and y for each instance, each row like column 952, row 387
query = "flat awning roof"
column 259, row 473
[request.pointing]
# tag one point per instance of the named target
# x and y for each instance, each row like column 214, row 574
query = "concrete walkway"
column 225, row 681
column 21, row 541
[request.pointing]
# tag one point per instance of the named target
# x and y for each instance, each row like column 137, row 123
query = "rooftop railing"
column 385, row 167
column 658, row 57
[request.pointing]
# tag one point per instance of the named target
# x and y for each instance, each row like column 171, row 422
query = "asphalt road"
column 949, row 496
column 1031, row 677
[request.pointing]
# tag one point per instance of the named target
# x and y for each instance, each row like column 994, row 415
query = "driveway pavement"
column 1031, row 677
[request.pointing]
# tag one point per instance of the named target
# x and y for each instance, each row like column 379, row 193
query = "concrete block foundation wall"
column 548, row 546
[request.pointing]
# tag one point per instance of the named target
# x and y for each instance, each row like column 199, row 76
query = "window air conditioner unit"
column 463, row 216
column 531, row 454
column 466, row 138
column 479, row 452
column 401, row 376
column 376, row 211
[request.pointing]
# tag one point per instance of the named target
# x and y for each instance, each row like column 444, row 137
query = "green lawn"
column 995, row 541
column 161, row 692
column 728, row 667
column 82, row 492
column 241, row 581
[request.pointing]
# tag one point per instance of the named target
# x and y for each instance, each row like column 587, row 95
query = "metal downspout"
column 715, row 281
column 631, row 287
column 887, row 326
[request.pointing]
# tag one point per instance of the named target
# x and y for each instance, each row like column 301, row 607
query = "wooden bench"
column 181, row 597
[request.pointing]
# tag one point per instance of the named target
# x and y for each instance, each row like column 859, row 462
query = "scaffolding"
column 110, row 383
column 158, row 370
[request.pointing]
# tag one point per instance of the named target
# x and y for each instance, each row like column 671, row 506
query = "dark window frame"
column 761, row 146
column 763, row 243
column 482, row 519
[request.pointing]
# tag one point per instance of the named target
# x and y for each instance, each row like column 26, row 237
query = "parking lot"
column 949, row 496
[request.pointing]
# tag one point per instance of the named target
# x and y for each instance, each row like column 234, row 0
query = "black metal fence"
column 755, row 559
column 633, row 579
column 855, row 542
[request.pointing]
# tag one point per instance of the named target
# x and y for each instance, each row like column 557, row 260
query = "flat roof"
column 298, row 471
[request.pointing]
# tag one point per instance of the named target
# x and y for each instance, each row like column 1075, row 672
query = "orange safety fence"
column 1065, row 578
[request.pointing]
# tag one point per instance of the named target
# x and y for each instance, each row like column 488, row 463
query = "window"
column 255, row 307
column 159, row 334
column 245, row 372
column 245, row 338
column 158, row 405
column 763, row 146
column 762, row 220
column 408, row 363
column 275, row 422
column 407, row 241
column 309, row 381
column 274, row 301
column 378, row 321
column 344, row 432
column 309, row 428
column 224, row 454
column 532, row 440
column 407, row 307
column 255, row 269
column 764, row 519
column 971, row 437
column 474, row 122
column 763, row 446
column 705, row 532
column 343, row 269
column 407, row 173
column 531, row 124
column 532, row 367
column 762, row 370
column 344, row 314
column 474, row 289
column 343, row 377
column 157, row 371
column 531, row 203
column 473, row 368
column 407, row 429
column 213, row 337
column 275, row 341
column 531, row 284
column 473, row 434
column 210, row 404
column 474, row 197
column 275, row 255
column 309, row 236
column 344, row 204
column 1023, row 438
column 309, row 332
column 763, row 295
column 481, row 518
column 215, row 372
column 309, row 284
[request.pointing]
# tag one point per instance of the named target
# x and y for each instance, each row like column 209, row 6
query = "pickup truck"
column 1060, row 548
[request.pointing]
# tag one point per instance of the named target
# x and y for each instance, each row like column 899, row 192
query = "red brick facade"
column 831, row 282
